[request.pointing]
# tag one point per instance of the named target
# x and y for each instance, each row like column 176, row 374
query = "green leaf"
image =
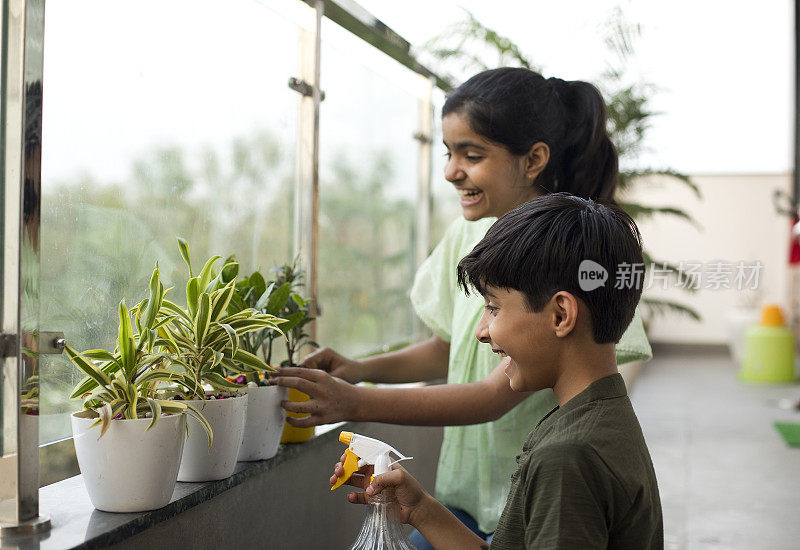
column 221, row 301
column 278, row 299
column 236, row 305
column 252, row 361
column 206, row 274
column 292, row 321
column 106, row 415
column 155, row 407
column 176, row 309
column 154, row 301
column 197, row 415
column 125, row 342
column 264, row 297
column 192, row 295
column 233, row 338
column 100, row 377
column 257, row 284
column 219, row 382
column 183, row 246
column 203, row 319
column 230, row 271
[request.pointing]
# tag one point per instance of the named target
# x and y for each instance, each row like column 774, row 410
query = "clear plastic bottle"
column 382, row 530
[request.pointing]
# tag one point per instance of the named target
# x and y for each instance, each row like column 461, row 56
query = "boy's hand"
column 413, row 500
column 338, row 365
column 332, row 399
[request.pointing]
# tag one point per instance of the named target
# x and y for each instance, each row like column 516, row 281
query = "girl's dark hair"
column 517, row 108
column 563, row 242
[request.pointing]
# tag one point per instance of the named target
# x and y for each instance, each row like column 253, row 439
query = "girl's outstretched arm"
column 334, row 400
column 419, row 362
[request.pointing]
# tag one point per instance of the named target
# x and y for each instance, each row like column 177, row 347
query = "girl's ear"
column 536, row 159
column 565, row 313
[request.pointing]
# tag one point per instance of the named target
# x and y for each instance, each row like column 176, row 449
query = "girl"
column 511, row 136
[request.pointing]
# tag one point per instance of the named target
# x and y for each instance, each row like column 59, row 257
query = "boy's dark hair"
column 538, row 249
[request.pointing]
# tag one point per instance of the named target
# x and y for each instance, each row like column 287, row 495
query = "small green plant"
column 205, row 337
column 284, row 300
column 130, row 382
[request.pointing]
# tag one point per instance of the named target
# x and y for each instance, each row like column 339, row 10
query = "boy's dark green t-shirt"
column 584, row 479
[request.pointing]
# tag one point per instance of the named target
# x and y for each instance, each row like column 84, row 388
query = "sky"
column 723, row 69
column 119, row 81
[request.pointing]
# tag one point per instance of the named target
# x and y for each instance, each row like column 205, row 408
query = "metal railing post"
column 21, row 145
column 424, row 199
column 306, row 200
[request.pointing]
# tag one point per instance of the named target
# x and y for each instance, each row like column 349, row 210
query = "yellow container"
column 290, row 433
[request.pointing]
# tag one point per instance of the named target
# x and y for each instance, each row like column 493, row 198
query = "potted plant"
column 204, row 338
column 265, row 416
column 129, row 438
column 285, row 302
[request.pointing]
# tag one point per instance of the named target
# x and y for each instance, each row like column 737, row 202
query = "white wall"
column 738, row 223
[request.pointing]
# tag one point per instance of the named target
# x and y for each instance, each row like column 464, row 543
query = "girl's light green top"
column 476, row 462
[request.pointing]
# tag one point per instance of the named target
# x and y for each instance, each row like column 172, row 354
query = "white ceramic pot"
column 129, row 469
column 226, row 416
column 264, row 425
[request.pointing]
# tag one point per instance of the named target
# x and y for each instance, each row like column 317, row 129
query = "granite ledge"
column 76, row 524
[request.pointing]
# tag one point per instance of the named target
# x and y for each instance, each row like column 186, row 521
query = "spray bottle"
column 381, row 529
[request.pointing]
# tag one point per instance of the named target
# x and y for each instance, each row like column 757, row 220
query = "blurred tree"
column 366, row 257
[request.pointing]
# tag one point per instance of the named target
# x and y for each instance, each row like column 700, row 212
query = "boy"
column 552, row 274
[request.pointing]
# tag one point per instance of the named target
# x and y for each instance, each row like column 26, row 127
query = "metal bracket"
column 9, row 345
column 51, row 343
column 304, row 88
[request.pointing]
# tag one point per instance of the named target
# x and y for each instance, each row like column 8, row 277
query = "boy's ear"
column 536, row 159
column 565, row 313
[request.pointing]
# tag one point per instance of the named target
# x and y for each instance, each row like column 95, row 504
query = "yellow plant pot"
column 290, row 433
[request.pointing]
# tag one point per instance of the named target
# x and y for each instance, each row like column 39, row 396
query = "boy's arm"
column 443, row 530
column 334, row 400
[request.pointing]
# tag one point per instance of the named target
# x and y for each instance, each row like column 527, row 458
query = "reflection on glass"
column 368, row 193
column 188, row 132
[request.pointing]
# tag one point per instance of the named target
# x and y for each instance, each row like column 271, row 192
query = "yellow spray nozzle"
column 346, row 437
column 350, row 467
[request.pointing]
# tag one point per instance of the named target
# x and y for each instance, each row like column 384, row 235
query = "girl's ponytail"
column 588, row 164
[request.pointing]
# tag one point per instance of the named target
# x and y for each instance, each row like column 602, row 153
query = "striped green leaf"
column 96, row 374
column 221, row 300
column 192, row 295
column 175, row 309
column 125, row 340
column 203, row 319
column 155, row 407
column 183, row 246
column 219, row 382
column 207, row 273
column 252, row 361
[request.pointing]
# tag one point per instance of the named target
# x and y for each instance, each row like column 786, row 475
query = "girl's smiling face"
column 489, row 179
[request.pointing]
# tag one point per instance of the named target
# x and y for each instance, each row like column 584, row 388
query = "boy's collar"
column 608, row 387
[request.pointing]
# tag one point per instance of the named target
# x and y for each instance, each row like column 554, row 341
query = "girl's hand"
column 413, row 500
column 331, row 399
column 338, row 365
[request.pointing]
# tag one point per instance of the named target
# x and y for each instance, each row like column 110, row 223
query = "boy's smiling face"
column 525, row 337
